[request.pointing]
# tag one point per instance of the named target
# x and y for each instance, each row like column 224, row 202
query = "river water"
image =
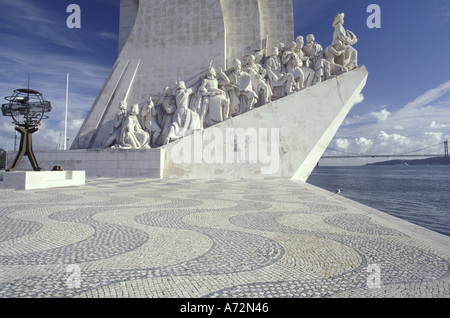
column 418, row 194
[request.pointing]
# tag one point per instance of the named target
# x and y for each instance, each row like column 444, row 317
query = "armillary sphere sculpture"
column 27, row 108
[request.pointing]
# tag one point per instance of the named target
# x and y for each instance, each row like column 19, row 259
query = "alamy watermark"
column 374, row 279
column 374, row 19
column 74, row 19
column 232, row 146
column 74, row 279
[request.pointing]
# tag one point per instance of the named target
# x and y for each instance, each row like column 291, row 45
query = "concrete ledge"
column 30, row 180
column 110, row 163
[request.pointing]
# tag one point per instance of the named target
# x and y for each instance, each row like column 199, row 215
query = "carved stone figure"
column 333, row 53
column 149, row 115
column 293, row 65
column 323, row 73
column 313, row 50
column 133, row 136
column 350, row 57
column 280, row 82
column 258, row 77
column 166, row 113
column 220, row 96
column 118, row 122
column 281, row 48
column 185, row 121
column 212, row 102
column 242, row 96
column 317, row 61
column 308, row 72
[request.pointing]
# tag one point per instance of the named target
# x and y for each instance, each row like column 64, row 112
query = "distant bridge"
column 409, row 154
column 380, row 156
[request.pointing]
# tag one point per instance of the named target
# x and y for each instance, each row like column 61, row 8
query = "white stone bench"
column 29, row 180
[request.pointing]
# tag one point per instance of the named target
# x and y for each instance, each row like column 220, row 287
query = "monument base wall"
column 109, row 163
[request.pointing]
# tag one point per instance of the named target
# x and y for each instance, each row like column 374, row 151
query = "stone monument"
column 161, row 41
column 219, row 89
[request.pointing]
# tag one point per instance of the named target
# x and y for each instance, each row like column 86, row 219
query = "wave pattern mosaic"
column 153, row 238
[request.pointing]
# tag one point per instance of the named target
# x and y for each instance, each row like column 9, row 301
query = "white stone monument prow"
column 218, row 89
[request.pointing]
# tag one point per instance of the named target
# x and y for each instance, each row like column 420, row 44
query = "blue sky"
column 405, row 105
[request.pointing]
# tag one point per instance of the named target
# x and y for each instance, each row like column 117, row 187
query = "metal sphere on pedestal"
column 27, row 108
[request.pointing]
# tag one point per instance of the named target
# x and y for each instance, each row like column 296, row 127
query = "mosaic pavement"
column 212, row 239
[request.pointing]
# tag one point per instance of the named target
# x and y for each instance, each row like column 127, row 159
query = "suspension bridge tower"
column 447, row 159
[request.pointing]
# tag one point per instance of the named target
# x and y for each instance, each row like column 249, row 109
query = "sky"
column 404, row 107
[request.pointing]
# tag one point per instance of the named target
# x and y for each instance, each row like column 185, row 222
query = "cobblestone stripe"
column 11, row 228
column 108, row 240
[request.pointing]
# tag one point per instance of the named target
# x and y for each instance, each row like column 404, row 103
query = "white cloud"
column 359, row 99
column 41, row 25
column 381, row 115
column 392, row 142
column 436, row 136
column 363, row 144
column 428, row 97
column 434, row 125
column 418, row 125
column 342, row 143
column 108, row 36
column 388, row 144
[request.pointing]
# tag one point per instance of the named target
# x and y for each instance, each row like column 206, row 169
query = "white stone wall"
column 128, row 13
column 101, row 163
column 242, row 25
column 277, row 21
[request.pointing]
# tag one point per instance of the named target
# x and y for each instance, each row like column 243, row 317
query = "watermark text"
column 234, row 146
column 374, row 19
column 74, row 19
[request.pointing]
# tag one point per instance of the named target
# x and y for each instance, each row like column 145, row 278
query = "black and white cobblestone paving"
column 180, row 238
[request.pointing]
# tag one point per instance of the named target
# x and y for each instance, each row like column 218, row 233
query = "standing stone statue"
column 166, row 113
column 293, row 65
column 257, row 75
column 240, row 89
column 212, row 103
column 185, row 121
column 118, row 122
column 280, row 82
column 313, row 50
column 149, row 114
column 306, row 68
column 350, row 57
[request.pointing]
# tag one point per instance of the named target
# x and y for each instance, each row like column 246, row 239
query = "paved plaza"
column 211, row 239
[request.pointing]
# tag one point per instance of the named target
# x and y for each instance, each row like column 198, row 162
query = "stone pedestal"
column 31, row 180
